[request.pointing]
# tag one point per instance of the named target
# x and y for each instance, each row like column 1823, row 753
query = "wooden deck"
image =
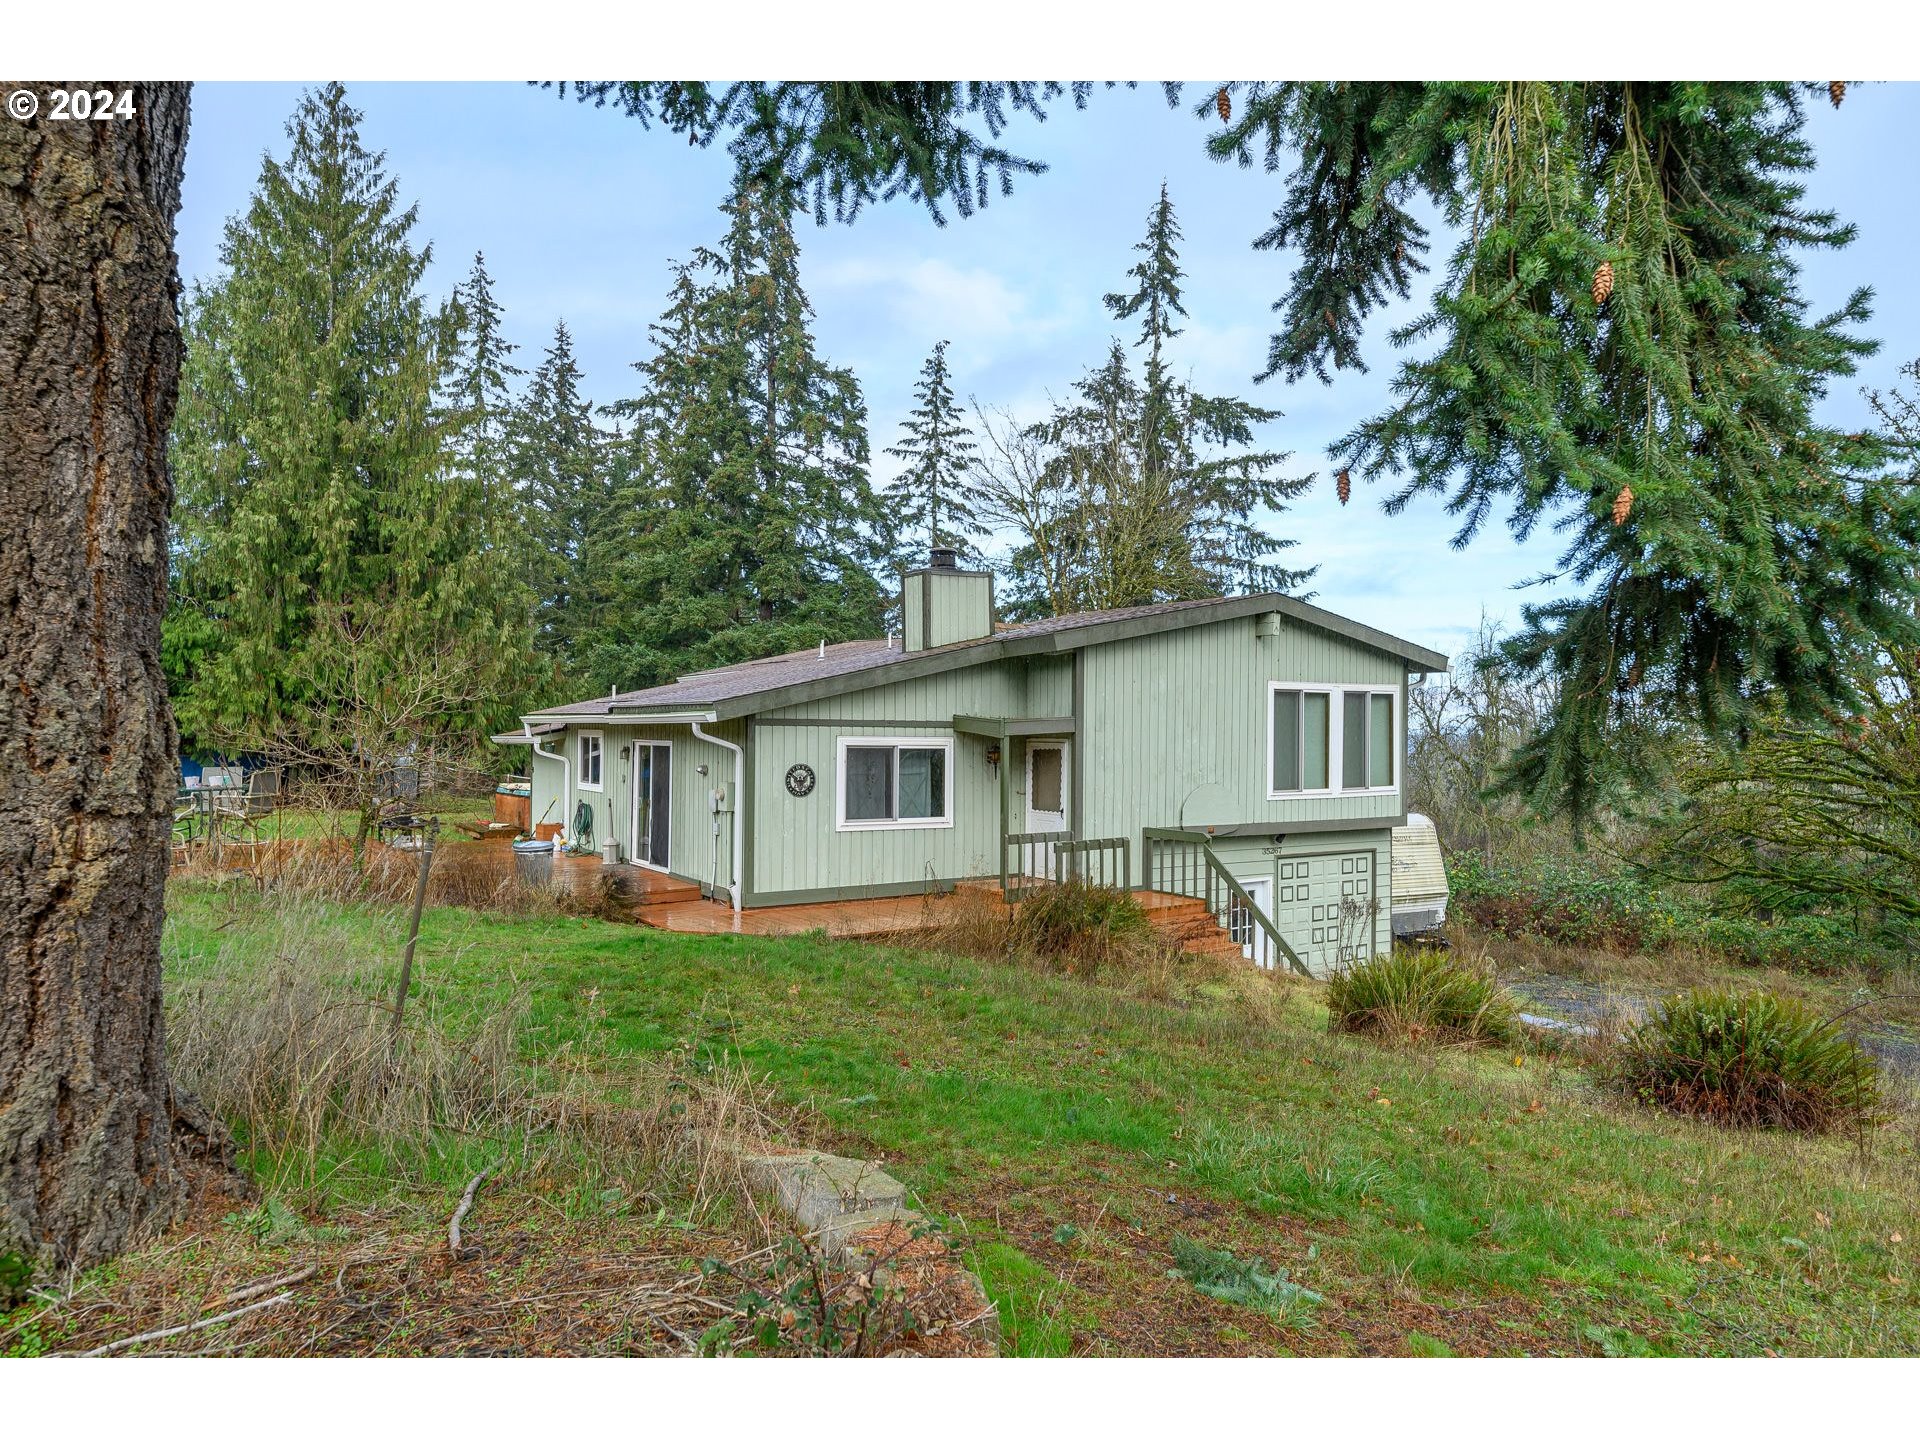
column 666, row 903
column 840, row 918
column 646, row 897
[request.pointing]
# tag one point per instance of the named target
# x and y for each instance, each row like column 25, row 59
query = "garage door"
column 1323, row 904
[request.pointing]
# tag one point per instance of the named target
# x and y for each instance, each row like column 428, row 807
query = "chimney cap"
column 940, row 557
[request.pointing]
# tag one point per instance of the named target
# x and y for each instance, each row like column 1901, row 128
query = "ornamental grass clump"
column 1078, row 920
column 1748, row 1058
column 1412, row 995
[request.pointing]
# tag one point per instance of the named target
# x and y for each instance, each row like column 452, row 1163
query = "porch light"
column 993, row 753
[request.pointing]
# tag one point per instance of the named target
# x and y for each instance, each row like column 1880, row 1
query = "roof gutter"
column 739, row 814
column 627, row 717
column 566, row 777
column 662, row 717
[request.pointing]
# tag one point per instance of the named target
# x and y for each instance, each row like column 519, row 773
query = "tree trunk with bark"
column 89, row 370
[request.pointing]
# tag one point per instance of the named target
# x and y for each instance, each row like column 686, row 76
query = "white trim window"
column 893, row 783
column 1333, row 739
column 593, row 759
column 1299, row 740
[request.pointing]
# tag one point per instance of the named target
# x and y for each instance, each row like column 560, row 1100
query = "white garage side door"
column 1323, row 904
column 1241, row 926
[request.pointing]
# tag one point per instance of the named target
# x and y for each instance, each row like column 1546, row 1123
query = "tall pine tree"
column 754, row 527
column 558, row 464
column 320, row 484
column 1148, row 490
column 933, row 496
column 480, row 386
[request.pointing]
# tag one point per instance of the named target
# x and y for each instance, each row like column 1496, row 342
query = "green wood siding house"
column 1264, row 731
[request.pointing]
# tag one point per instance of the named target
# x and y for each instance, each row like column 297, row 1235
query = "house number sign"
column 799, row 780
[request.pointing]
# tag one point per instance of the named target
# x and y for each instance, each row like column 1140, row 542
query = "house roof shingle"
column 705, row 689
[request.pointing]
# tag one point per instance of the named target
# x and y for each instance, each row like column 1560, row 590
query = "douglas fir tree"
column 1142, row 489
column 1618, row 345
column 754, row 528
column 932, row 498
column 321, row 488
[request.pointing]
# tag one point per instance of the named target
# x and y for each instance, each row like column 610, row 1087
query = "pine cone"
column 1623, row 505
column 1224, row 104
column 1603, row 282
column 1343, row 486
column 1836, row 92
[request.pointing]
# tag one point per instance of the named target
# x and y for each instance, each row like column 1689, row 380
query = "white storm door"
column 1046, row 799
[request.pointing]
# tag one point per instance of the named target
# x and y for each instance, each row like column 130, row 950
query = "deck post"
column 1006, row 806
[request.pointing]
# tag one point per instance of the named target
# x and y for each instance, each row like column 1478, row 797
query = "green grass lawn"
column 306, row 822
column 1069, row 1132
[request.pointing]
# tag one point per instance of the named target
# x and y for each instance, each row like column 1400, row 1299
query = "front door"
column 1243, row 928
column 652, row 804
column 1046, row 799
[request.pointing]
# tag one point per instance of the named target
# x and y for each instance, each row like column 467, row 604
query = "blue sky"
column 579, row 212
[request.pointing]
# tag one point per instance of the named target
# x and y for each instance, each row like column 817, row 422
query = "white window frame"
column 599, row 738
column 1336, row 737
column 898, row 743
column 1332, row 692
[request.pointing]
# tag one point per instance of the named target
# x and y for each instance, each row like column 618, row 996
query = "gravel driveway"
column 1580, row 1002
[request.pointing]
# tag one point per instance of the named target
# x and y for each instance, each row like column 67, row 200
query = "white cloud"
column 971, row 306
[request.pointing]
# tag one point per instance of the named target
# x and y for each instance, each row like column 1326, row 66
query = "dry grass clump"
column 473, row 874
column 295, row 1053
column 1079, row 930
column 286, row 1034
column 1748, row 1058
column 1414, row 994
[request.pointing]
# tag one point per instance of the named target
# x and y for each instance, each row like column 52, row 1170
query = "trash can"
column 610, row 853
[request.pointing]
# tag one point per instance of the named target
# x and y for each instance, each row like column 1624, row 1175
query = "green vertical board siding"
column 796, row 845
column 545, row 777
column 943, row 607
column 913, row 611
column 693, row 846
column 1324, row 854
column 1182, row 717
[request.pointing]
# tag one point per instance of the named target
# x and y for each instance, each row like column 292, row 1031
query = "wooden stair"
column 1189, row 926
column 657, row 890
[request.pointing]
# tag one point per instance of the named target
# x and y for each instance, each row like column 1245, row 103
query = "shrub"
column 1078, row 921
column 1564, row 904
column 1414, row 993
column 1824, row 944
column 1747, row 1058
column 1100, row 935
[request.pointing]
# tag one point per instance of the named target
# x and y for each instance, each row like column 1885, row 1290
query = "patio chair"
column 248, row 809
column 187, row 819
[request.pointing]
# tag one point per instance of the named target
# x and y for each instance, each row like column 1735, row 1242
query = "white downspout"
column 566, row 778
column 739, row 815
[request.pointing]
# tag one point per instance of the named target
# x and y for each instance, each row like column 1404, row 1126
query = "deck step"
column 1189, row 926
column 663, row 895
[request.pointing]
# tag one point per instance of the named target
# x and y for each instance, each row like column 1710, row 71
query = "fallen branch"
column 261, row 1287
column 460, row 1210
column 282, row 1298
